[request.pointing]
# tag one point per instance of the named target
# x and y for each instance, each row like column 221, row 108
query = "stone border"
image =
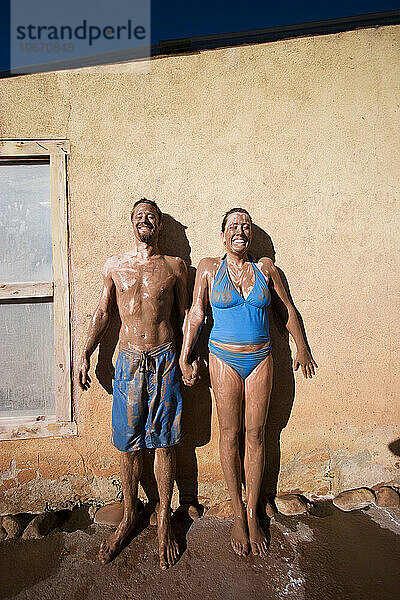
column 36, row 526
column 384, row 496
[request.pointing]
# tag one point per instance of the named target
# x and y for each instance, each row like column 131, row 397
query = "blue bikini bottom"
column 243, row 362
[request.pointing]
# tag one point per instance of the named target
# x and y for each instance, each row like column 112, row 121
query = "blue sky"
column 178, row 18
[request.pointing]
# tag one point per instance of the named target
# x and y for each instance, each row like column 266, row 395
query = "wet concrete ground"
column 333, row 556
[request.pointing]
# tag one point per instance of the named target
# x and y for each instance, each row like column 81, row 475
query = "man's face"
column 237, row 235
column 145, row 222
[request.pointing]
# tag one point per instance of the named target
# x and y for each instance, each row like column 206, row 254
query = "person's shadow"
column 394, row 447
column 196, row 414
column 283, row 389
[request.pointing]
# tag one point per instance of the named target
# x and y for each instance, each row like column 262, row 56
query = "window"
column 35, row 371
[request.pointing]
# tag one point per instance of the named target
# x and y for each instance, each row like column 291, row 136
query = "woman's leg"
column 228, row 388
column 257, row 394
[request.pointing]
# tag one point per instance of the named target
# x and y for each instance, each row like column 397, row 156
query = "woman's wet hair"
column 147, row 201
column 230, row 212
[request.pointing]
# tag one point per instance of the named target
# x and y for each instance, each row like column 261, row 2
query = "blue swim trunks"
column 147, row 401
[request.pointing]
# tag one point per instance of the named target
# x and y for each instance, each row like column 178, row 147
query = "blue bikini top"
column 238, row 320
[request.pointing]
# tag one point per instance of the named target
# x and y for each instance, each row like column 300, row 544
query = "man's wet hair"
column 147, row 201
column 230, row 212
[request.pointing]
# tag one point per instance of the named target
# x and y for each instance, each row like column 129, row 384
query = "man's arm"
column 98, row 325
column 303, row 357
column 194, row 322
column 181, row 291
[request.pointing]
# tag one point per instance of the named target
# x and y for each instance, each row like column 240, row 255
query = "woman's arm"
column 303, row 357
column 194, row 322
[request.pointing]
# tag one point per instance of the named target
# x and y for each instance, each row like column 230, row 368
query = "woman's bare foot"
column 111, row 547
column 167, row 545
column 240, row 536
column 258, row 539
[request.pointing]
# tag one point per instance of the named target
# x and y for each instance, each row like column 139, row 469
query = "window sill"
column 24, row 428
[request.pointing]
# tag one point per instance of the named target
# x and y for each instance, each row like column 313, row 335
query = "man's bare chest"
column 143, row 281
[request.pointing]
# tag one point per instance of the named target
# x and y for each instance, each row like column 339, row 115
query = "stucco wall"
column 302, row 133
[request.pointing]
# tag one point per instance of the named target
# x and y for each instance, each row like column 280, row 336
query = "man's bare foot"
column 167, row 545
column 240, row 536
column 258, row 539
column 111, row 547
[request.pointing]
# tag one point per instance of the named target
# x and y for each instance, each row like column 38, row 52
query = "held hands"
column 83, row 374
column 190, row 372
column 304, row 360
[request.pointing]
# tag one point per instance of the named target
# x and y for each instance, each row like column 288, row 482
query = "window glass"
column 27, row 385
column 25, row 223
column 26, row 359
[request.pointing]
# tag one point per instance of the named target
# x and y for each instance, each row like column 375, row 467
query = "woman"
column 240, row 363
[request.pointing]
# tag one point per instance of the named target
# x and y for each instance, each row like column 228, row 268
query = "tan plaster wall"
column 301, row 132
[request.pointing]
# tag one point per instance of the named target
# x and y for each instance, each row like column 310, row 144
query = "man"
column 147, row 401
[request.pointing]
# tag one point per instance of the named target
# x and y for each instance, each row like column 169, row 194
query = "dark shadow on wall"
column 196, row 425
column 105, row 368
column 394, row 447
column 196, row 414
column 283, row 389
column 262, row 244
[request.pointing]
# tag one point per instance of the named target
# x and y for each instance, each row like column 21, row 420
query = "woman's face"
column 237, row 235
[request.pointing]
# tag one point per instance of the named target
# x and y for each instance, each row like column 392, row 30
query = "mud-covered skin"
column 230, row 390
column 144, row 284
column 145, row 295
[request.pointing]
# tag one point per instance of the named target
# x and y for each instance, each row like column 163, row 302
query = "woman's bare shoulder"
column 267, row 267
column 266, row 264
column 209, row 266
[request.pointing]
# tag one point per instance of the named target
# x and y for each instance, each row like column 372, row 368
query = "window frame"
column 60, row 425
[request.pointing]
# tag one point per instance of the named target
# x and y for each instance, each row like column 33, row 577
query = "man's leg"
column 164, row 471
column 131, row 464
